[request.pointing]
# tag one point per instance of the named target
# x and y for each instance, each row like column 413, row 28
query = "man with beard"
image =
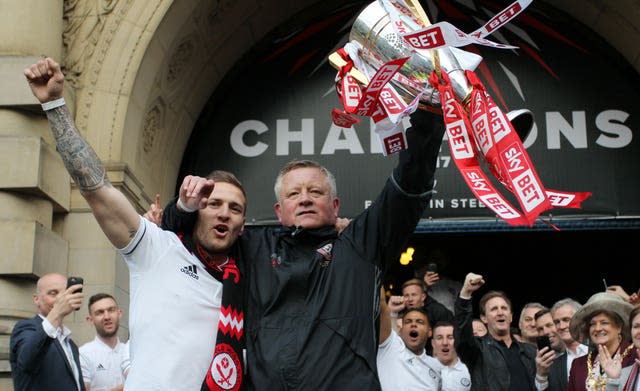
column 402, row 360
column 101, row 359
column 184, row 315
column 496, row 361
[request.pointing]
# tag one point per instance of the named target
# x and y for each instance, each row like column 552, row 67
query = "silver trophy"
column 374, row 42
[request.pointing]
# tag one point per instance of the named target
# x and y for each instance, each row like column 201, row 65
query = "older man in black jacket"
column 497, row 361
column 313, row 296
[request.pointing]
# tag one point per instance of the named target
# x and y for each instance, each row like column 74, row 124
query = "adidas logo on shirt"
column 191, row 271
column 100, row 368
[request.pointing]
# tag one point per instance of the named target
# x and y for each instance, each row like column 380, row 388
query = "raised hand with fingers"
column 194, row 193
column 154, row 214
column 612, row 365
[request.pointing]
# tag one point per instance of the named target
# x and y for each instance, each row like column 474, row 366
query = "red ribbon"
column 486, row 131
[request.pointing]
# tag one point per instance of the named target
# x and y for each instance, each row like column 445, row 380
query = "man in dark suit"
column 42, row 354
column 551, row 361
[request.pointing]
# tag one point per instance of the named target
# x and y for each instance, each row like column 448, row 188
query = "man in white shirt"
column 402, row 361
column 455, row 374
column 101, row 359
column 175, row 283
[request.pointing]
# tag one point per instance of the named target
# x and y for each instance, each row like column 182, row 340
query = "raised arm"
column 467, row 345
column 416, row 167
column 385, row 318
column 381, row 231
column 116, row 216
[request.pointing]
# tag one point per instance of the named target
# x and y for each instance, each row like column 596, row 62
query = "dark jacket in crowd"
column 313, row 296
column 484, row 355
column 558, row 375
column 38, row 362
column 436, row 311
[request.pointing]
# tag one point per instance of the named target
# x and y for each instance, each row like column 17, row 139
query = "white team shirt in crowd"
column 455, row 378
column 174, row 311
column 101, row 365
column 399, row 369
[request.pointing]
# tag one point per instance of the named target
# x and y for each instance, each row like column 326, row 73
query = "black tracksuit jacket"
column 312, row 299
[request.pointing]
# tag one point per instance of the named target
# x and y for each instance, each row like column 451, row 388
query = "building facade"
column 138, row 75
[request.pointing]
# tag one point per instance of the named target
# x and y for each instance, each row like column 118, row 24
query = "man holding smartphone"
column 42, row 354
column 550, row 370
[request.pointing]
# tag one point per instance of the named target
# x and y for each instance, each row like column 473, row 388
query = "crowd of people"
column 216, row 305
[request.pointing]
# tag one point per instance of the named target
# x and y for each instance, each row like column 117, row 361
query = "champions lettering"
column 299, row 136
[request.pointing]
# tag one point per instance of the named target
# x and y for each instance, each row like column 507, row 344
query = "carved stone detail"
column 152, row 125
column 179, row 60
column 84, row 23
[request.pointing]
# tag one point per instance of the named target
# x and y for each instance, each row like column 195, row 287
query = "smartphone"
column 543, row 341
column 75, row 281
column 432, row 267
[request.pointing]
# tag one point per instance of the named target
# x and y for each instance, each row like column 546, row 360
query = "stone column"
column 34, row 184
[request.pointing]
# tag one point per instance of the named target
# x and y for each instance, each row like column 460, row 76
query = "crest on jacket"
column 325, row 251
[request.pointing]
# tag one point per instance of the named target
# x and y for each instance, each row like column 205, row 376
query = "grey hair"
column 295, row 164
column 530, row 305
column 567, row 301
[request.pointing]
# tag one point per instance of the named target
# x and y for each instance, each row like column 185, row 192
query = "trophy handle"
column 338, row 62
column 418, row 11
column 522, row 121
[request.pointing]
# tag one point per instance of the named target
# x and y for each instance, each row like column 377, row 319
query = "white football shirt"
column 174, row 311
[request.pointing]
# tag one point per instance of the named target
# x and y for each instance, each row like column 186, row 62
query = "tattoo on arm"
column 82, row 162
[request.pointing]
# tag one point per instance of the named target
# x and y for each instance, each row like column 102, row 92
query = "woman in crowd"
column 603, row 320
column 627, row 378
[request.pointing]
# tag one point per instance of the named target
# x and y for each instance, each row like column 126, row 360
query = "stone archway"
column 141, row 71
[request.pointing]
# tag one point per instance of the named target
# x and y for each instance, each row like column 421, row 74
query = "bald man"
column 42, row 354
